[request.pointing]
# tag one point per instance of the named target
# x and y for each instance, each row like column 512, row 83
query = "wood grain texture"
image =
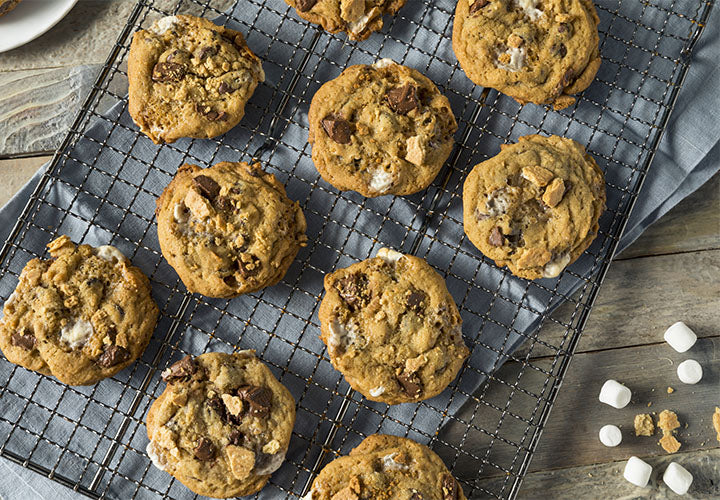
column 15, row 173
column 37, row 106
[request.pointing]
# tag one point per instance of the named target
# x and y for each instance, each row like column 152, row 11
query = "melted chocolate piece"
column 477, row 5
column 337, row 128
column 207, row 187
column 450, row 489
column 26, row 341
column 259, row 399
column 236, row 437
column 113, row 355
column 204, row 449
column 415, row 300
column 305, row 5
column 403, row 99
column 496, row 237
column 168, row 72
column 180, row 370
column 410, row 384
column 353, row 289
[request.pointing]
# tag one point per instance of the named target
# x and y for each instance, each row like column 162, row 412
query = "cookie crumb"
column 670, row 390
column 716, row 422
column 667, row 422
column 644, row 425
column 669, row 443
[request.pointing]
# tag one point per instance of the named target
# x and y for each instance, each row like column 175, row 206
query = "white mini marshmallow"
column 637, row 472
column 689, row 372
column 677, row 478
column 680, row 337
column 615, row 394
column 610, row 435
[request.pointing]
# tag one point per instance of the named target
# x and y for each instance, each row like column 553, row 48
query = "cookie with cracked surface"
column 535, row 206
column 539, row 51
column 7, row 5
column 189, row 77
column 392, row 328
column 358, row 18
column 228, row 229
column 82, row 316
column 380, row 129
column 384, row 467
column 222, row 425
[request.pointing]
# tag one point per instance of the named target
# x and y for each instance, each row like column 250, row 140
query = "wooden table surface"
column 670, row 274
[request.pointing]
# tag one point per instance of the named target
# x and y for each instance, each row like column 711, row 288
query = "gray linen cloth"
column 687, row 157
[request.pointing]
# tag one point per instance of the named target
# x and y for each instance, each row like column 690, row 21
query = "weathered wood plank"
column 38, row 106
column 15, row 173
column 693, row 224
column 641, row 297
column 606, row 481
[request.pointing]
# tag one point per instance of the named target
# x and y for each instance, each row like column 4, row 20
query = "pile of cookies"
column 224, row 422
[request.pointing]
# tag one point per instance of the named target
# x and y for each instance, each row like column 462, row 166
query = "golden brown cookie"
column 534, row 51
column 223, row 424
column 380, row 129
column 392, row 328
column 228, row 229
column 386, row 467
column 189, row 77
column 357, row 18
column 81, row 316
column 534, row 207
column 7, row 5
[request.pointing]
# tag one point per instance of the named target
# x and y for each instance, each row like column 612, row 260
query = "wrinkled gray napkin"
column 687, row 157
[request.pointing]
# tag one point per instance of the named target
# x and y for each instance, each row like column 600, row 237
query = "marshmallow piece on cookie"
column 637, row 472
column 677, row 478
column 689, row 372
column 680, row 337
column 615, row 394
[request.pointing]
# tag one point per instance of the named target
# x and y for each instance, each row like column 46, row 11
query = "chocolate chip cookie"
column 534, row 51
column 222, row 425
column 357, row 18
column 189, row 78
column 7, row 5
column 384, row 467
column 535, row 206
column 228, row 229
column 81, row 316
column 392, row 328
column 380, row 129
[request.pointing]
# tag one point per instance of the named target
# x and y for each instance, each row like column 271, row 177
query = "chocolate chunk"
column 206, row 51
column 305, row 5
column 179, row 370
column 211, row 114
column 337, row 128
column 236, row 437
column 26, row 341
column 258, row 398
column 559, row 49
column 224, row 204
column 224, row 88
column 477, row 5
column 353, row 289
column 204, row 449
column 403, row 99
column 415, row 300
column 216, row 404
column 113, row 355
column 249, row 269
column 207, row 186
column 450, row 489
column 410, row 384
column 168, row 72
column 496, row 237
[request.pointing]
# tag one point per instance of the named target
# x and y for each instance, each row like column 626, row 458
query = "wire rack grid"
column 101, row 186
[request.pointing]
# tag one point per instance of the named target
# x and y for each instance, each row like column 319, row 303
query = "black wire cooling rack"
column 103, row 181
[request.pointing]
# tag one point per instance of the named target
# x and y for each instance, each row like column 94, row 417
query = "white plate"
column 30, row 19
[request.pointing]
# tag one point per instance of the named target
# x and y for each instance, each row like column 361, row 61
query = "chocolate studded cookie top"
column 82, row 316
column 357, row 18
column 392, row 328
column 189, row 78
column 380, row 129
column 386, row 467
column 535, row 206
column 228, row 229
column 222, row 425
column 534, row 51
